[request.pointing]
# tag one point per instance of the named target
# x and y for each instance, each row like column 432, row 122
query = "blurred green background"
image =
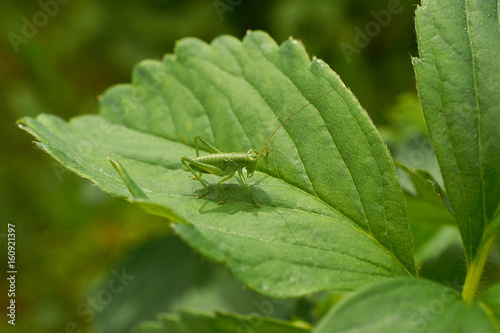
column 72, row 238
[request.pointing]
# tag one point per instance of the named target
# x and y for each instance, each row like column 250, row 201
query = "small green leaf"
column 429, row 204
column 432, row 241
column 430, row 215
column 188, row 321
column 333, row 214
column 411, row 305
column 458, row 77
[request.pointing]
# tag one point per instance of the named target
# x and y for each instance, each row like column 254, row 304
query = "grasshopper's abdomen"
column 226, row 160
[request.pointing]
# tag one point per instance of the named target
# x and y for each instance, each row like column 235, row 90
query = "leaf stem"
column 475, row 271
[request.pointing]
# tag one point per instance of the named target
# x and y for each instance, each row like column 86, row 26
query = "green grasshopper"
column 225, row 165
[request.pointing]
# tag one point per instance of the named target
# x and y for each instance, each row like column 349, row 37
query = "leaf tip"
column 23, row 123
column 20, row 122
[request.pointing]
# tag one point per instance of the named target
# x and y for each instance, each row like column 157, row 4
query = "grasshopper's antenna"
column 287, row 119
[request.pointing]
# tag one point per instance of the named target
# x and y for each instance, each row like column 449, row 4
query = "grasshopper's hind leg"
column 212, row 149
column 240, row 173
column 196, row 176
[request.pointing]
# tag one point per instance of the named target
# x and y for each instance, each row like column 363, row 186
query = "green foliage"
column 195, row 321
column 341, row 179
column 91, row 45
column 333, row 216
column 457, row 76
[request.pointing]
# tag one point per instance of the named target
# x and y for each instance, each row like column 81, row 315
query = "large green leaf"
column 332, row 215
column 458, row 77
column 412, row 305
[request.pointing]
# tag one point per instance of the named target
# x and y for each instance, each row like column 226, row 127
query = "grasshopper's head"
column 251, row 162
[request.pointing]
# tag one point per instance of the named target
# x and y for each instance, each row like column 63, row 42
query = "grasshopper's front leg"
column 240, row 173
